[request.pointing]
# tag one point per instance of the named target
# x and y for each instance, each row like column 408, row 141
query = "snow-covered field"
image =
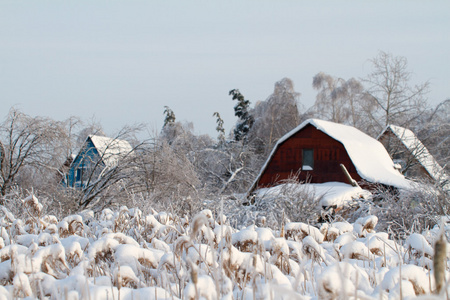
column 125, row 254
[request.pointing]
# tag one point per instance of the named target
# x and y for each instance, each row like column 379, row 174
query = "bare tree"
column 26, row 142
column 342, row 101
column 166, row 173
column 397, row 102
column 328, row 106
column 275, row 116
column 227, row 168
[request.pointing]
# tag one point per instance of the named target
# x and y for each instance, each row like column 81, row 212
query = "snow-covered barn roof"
column 369, row 156
column 418, row 150
column 110, row 149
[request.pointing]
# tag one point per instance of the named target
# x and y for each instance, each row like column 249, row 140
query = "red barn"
column 316, row 149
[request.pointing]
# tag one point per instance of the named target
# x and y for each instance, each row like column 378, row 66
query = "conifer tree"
column 170, row 116
column 241, row 110
column 219, row 128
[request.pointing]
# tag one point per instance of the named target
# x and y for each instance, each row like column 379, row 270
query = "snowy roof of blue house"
column 110, row 149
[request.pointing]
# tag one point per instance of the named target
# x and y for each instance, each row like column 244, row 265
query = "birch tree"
column 328, row 106
column 396, row 100
column 275, row 116
column 343, row 101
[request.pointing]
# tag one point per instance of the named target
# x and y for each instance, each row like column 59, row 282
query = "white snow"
column 203, row 289
column 302, row 264
column 136, row 256
column 327, row 194
column 417, row 243
column 356, row 250
column 365, row 225
column 299, row 230
column 110, row 149
column 341, row 280
column 414, row 274
column 247, row 236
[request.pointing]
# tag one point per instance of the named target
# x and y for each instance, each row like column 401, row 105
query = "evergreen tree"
column 170, row 116
column 219, row 128
column 241, row 110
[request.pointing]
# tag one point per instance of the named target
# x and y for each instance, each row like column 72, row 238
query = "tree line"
column 175, row 168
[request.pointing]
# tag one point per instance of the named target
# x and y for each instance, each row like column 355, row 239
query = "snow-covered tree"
column 165, row 177
column 219, row 128
column 275, row 116
column 396, row 100
column 26, row 143
column 228, row 168
column 242, row 111
column 169, row 116
column 343, row 101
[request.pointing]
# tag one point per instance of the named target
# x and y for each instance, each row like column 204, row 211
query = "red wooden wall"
column 328, row 155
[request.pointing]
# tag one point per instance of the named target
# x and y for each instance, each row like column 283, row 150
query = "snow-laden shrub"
column 272, row 209
column 290, row 201
column 402, row 212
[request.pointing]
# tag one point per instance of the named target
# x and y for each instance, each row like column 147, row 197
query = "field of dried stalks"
column 125, row 254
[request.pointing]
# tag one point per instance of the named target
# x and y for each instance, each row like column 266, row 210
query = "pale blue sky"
column 123, row 61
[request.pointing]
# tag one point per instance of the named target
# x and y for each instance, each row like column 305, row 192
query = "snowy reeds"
column 127, row 254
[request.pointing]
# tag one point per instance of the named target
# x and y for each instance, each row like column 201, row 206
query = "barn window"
column 308, row 159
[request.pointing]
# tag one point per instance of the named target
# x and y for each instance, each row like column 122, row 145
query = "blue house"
column 98, row 154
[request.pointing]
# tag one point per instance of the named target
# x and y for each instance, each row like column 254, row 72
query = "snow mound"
column 327, row 194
